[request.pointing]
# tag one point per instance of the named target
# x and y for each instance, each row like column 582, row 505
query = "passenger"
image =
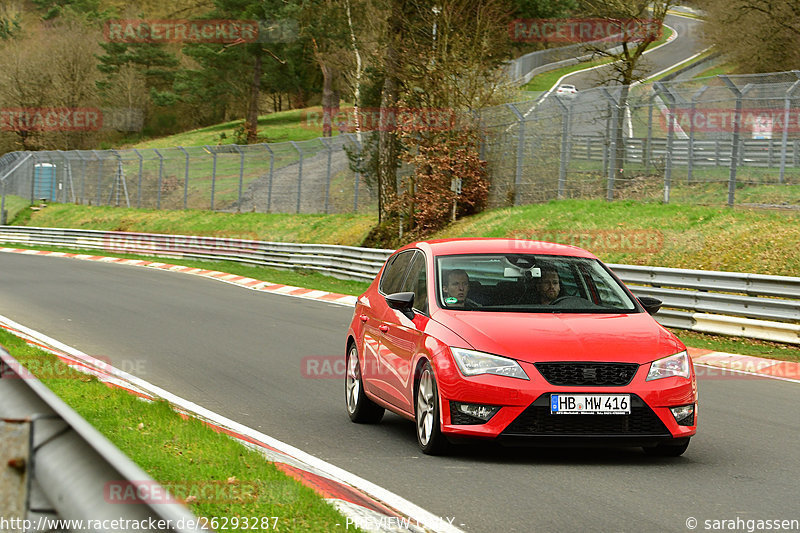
column 549, row 286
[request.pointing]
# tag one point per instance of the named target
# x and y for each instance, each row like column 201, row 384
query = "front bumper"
column 525, row 416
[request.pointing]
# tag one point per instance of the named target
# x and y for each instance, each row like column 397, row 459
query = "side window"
column 417, row 282
column 394, row 273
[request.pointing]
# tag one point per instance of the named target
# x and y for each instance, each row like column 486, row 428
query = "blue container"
column 44, row 181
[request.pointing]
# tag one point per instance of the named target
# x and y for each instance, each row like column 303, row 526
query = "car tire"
column 361, row 409
column 427, row 414
column 667, row 450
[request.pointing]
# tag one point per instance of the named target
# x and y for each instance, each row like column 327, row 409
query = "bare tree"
column 51, row 66
column 755, row 35
column 25, row 83
column 641, row 16
column 73, row 69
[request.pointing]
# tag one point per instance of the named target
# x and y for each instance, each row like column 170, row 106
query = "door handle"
column 383, row 327
column 363, row 318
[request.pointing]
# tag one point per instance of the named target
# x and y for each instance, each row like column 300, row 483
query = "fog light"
column 471, row 413
column 684, row 415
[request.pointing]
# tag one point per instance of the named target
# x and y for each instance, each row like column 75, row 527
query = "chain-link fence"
column 719, row 141
column 292, row 177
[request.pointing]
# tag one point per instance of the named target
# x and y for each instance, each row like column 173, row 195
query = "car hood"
column 635, row 338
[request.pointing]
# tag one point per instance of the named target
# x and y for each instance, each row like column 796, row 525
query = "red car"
column 518, row 341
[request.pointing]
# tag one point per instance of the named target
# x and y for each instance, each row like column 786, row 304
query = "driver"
column 549, row 286
column 455, row 286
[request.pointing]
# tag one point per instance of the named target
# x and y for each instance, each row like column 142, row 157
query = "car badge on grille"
column 589, row 373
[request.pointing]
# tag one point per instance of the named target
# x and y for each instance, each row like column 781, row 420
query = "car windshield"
column 529, row 283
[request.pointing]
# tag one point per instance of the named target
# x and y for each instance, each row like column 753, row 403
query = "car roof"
column 495, row 245
column 567, row 85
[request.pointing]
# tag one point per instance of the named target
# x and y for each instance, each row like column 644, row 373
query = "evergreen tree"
column 230, row 77
column 156, row 63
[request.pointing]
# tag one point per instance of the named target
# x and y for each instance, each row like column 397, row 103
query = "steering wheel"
column 559, row 299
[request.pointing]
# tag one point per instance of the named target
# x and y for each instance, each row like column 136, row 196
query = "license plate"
column 590, row 404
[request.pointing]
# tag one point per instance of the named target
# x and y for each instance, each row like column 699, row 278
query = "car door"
column 402, row 336
column 375, row 324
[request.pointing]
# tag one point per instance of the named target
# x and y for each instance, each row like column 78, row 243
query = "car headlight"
column 472, row 363
column 674, row 365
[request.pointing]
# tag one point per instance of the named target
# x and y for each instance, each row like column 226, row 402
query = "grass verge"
column 672, row 235
column 740, row 345
column 293, row 125
column 723, row 68
column 14, row 206
column 345, row 229
column 184, row 455
column 681, row 66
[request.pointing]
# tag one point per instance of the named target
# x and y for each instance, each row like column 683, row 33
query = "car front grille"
column 587, row 374
column 536, row 420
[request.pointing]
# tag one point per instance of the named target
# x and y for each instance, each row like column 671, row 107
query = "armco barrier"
column 768, row 306
column 341, row 261
column 60, row 464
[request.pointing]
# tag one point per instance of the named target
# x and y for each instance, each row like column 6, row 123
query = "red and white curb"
column 241, row 281
column 364, row 504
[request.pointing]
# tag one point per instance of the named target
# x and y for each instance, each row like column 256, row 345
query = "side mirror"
column 651, row 305
column 402, row 301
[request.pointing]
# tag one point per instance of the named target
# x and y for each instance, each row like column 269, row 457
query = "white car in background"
column 567, row 90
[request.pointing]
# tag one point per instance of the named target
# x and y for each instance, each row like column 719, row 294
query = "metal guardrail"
column 770, row 302
column 60, row 467
column 342, row 261
column 765, row 153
